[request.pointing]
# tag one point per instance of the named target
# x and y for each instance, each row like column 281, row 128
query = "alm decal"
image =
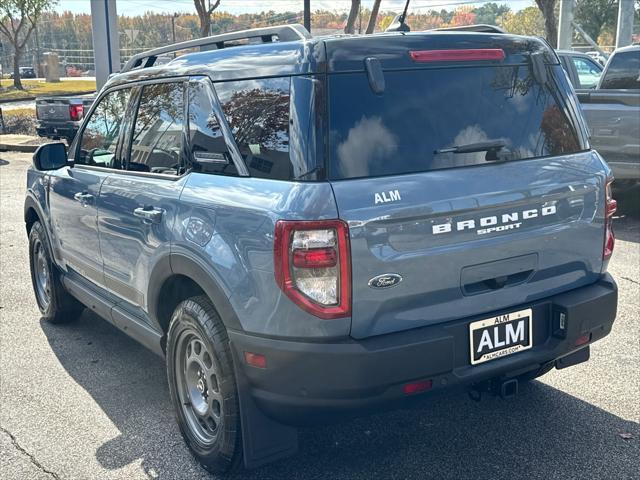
column 386, row 197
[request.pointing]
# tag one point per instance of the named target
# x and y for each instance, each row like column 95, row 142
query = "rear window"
column 624, row 72
column 422, row 112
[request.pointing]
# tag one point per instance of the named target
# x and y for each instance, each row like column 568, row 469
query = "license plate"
column 500, row 336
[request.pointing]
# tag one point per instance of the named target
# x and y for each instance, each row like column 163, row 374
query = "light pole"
column 625, row 23
column 106, row 44
column 565, row 27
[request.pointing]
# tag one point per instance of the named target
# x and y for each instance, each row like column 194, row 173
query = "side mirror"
column 50, row 156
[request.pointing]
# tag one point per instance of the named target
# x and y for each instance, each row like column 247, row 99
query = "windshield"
column 422, row 115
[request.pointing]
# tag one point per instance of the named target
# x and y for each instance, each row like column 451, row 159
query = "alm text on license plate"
column 500, row 336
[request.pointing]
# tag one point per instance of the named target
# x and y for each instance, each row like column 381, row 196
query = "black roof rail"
column 285, row 33
column 480, row 27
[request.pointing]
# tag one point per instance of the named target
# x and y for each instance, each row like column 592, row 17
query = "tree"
column 527, row 21
column 259, row 115
column 462, row 16
column 489, row 13
column 594, row 15
column 351, row 19
column 205, row 8
column 373, row 19
column 17, row 21
column 548, row 9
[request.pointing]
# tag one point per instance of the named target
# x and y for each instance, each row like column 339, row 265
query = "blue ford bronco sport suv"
column 307, row 227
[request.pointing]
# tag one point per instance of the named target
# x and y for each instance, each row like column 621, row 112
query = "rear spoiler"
column 480, row 28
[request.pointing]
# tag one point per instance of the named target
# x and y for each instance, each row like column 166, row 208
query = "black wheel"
column 202, row 385
column 54, row 302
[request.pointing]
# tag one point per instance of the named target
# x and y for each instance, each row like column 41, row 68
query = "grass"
column 16, row 112
column 20, row 121
column 36, row 88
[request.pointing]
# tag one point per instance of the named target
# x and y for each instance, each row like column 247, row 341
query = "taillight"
column 610, row 208
column 457, row 55
column 76, row 112
column 313, row 265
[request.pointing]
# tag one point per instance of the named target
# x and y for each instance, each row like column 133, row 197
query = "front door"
column 74, row 191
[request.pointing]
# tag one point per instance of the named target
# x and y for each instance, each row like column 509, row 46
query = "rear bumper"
column 66, row 129
column 319, row 379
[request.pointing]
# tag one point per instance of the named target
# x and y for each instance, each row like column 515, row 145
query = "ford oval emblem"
column 386, row 280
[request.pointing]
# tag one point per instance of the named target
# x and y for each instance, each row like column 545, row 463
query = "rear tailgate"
column 53, row 109
column 459, row 273
column 456, row 233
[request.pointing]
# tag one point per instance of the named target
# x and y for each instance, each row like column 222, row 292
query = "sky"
column 137, row 7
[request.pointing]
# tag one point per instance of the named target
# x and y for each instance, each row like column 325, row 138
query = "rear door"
column 439, row 234
column 137, row 204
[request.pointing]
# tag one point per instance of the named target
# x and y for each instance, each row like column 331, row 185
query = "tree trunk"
column 351, row 19
column 205, row 25
column 547, row 7
column 17, row 83
column 373, row 19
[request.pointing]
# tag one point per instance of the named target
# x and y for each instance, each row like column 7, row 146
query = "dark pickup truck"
column 612, row 111
column 60, row 117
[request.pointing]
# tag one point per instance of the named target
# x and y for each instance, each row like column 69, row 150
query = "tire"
column 55, row 303
column 202, row 385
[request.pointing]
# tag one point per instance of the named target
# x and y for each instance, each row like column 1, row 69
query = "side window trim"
column 227, row 134
column 125, row 144
column 185, row 155
column 77, row 141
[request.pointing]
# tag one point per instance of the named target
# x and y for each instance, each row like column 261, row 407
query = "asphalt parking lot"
column 83, row 401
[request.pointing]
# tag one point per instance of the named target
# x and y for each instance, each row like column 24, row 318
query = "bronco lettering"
column 509, row 221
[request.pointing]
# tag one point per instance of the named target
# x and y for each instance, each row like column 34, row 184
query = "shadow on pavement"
column 3, row 162
column 543, row 433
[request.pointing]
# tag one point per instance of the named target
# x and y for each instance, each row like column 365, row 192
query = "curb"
column 27, row 99
column 5, row 147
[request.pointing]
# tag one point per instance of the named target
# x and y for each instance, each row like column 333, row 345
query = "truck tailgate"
column 53, row 109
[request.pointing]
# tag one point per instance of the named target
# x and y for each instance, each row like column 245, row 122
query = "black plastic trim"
column 307, row 381
column 178, row 264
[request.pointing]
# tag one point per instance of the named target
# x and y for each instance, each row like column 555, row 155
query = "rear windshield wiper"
column 491, row 145
column 496, row 150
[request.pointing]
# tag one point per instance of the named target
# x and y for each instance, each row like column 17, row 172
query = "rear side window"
column 258, row 114
column 588, row 72
column 156, row 144
column 208, row 148
column 423, row 114
column 624, row 72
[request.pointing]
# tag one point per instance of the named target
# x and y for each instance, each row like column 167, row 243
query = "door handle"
column 149, row 214
column 83, row 198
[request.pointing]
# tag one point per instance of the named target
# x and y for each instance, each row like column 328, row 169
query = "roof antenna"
column 398, row 24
